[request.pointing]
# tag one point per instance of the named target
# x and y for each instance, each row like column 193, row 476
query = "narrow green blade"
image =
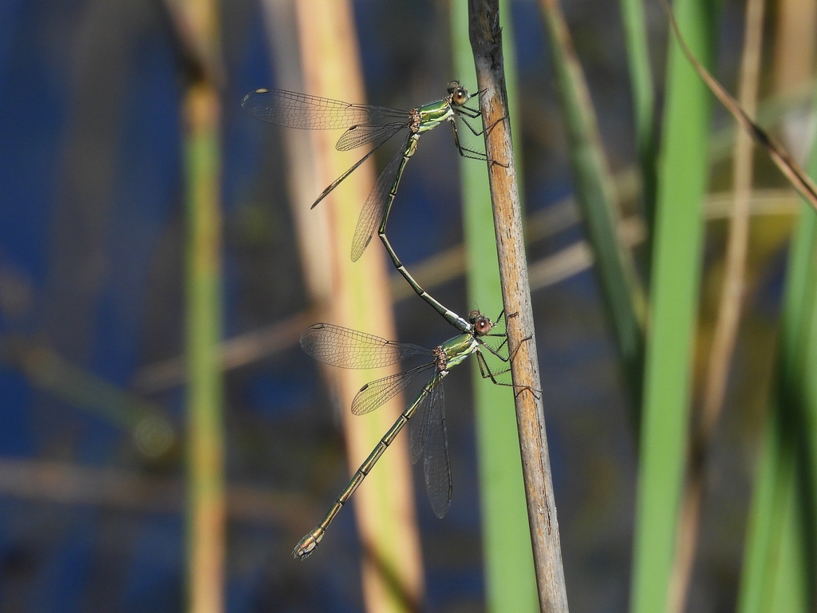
column 638, row 59
column 773, row 570
column 620, row 286
column 775, row 566
column 682, row 173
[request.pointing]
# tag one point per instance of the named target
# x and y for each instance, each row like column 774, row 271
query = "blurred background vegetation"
column 164, row 442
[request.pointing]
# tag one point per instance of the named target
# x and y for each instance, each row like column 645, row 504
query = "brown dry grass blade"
column 791, row 169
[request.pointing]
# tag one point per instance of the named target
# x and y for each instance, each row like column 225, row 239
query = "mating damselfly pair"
column 347, row 348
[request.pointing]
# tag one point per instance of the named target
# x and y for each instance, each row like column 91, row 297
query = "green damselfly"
column 365, row 124
column 347, row 348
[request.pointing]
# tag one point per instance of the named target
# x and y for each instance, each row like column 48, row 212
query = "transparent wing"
column 345, row 348
column 372, row 212
column 420, row 424
column 373, row 395
column 294, row 110
column 436, row 465
column 360, row 134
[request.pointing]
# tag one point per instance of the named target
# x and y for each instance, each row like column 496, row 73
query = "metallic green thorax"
column 457, row 349
column 433, row 114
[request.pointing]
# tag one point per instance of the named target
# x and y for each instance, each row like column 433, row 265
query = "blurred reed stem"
column 205, row 435
column 358, row 298
column 132, row 491
column 778, row 565
column 485, row 35
column 638, row 58
column 794, row 41
column 772, row 577
column 197, row 33
column 594, row 187
column 147, row 421
column 728, row 317
column 682, row 180
column 781, row 537
column 510, row 581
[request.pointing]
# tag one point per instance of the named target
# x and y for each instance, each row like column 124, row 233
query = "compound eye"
column 460, row 96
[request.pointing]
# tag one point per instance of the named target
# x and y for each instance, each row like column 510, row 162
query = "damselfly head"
column 459, row 95
column 482, row 325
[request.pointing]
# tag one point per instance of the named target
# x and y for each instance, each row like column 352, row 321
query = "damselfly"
column 347, row 348
column 366, row 124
